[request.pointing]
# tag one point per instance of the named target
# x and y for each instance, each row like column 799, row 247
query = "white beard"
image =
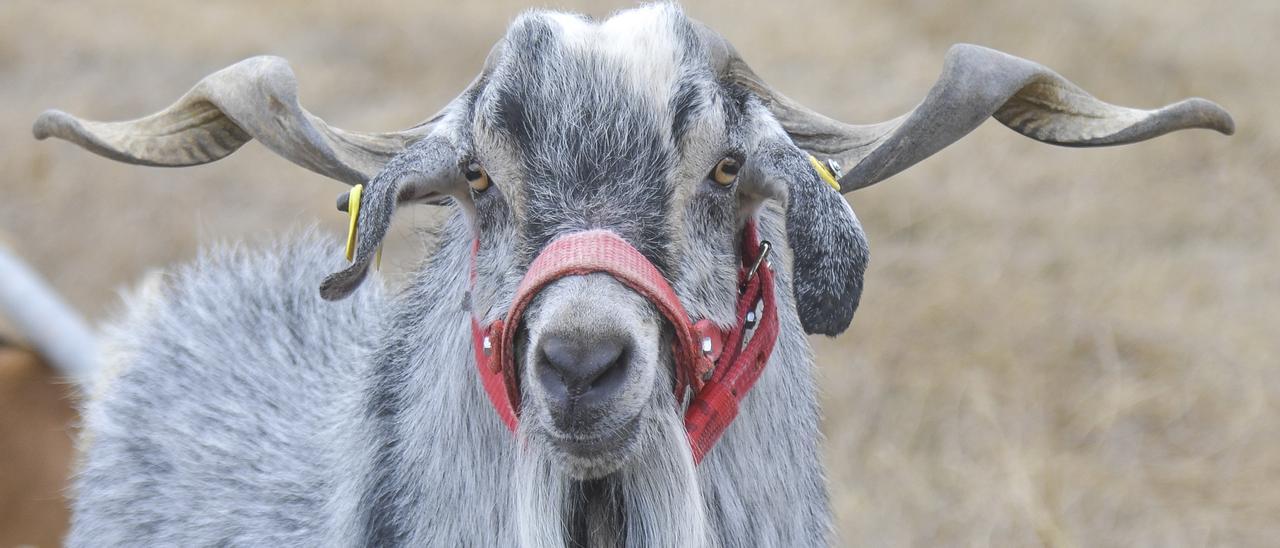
column 653, row 501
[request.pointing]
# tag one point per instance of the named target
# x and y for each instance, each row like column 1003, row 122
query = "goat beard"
column 655, row 500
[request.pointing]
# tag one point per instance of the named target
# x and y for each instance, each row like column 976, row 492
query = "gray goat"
column 242, row 408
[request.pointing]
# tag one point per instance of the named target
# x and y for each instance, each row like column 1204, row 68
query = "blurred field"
column 1056, row 346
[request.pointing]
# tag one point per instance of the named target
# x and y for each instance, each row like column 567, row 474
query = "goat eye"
column 726, row 172
column 476, row 176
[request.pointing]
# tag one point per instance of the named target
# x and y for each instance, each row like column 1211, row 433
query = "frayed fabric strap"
column 719, row 368
column 715, row 405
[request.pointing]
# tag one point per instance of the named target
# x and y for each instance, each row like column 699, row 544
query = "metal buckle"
column 749, row 322
column 765, row 248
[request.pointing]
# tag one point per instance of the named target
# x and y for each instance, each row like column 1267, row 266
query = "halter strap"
column 718, row 367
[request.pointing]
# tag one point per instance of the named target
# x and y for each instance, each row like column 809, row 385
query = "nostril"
column 611, row 375
column 578, row 366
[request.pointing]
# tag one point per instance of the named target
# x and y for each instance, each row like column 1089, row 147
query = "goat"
column 488, row 403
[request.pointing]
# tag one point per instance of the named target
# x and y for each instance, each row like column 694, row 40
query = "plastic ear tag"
column 353, row 213
column 824, row 173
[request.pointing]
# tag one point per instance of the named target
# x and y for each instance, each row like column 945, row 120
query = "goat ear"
column 427, row 171
column 829, row 249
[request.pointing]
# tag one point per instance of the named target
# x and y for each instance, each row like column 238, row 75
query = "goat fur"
column 245, row 410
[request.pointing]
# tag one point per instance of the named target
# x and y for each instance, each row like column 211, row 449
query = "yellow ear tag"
column 353, row 213
column 824, row 173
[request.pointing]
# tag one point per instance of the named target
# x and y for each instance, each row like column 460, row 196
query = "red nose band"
column 719, row 367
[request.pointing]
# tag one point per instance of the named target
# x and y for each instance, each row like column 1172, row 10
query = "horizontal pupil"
column 729, row 168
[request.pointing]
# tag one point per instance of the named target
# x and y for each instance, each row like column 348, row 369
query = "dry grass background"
column 1056, row 346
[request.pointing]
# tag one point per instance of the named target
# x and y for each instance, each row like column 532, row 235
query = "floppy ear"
column 258, row 99
column 427, row 171
column 976, row 83
column 829, row 248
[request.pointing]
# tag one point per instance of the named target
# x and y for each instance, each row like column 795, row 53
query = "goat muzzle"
column 719, row 367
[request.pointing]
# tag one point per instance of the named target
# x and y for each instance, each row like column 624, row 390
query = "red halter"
column 719, row 367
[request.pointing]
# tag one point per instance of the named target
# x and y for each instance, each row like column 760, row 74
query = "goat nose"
column 583, row 371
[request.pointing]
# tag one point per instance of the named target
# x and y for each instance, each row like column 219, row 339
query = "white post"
column 56, row 331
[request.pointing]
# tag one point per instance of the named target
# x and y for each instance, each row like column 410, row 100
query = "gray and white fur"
column 241, row 408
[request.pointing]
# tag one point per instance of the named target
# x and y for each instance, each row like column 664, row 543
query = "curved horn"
column 426, row 171
column 254, row 99
column 976, row 82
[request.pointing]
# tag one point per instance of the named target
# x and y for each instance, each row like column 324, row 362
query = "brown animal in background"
column 36, row 423
column 38, row 391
